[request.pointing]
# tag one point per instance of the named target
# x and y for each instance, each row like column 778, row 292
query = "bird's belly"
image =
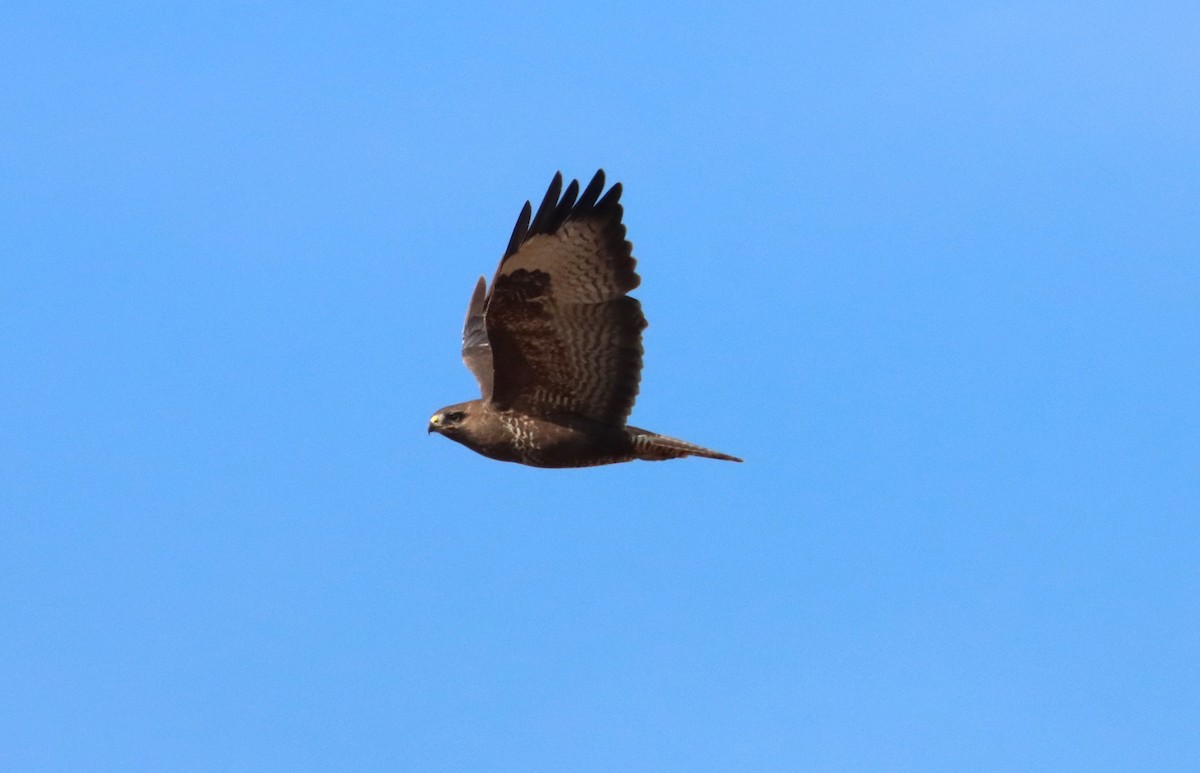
column 545, row 443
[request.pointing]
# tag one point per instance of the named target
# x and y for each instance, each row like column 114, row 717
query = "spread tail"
column 653, row 447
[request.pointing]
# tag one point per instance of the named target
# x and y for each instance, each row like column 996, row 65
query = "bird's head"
column 449, row 420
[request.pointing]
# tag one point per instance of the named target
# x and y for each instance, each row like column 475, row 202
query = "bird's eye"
column 454, row 417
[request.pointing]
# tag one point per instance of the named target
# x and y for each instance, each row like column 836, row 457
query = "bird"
column 556, row 342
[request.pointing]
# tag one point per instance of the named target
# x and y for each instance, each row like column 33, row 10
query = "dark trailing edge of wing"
column 558, row 207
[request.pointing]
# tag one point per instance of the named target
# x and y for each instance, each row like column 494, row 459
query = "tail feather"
column 653, row 447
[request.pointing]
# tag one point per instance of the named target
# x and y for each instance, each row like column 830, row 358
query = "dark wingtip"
column 558, row 206
column 544, row 219
column 611, row 198
column 519, row 230
column 587, row 199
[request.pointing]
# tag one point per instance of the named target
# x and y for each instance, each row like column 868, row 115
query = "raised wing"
column 565, row 337
column 476, row 352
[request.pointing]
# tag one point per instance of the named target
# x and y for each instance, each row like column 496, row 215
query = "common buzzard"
column 556, row 345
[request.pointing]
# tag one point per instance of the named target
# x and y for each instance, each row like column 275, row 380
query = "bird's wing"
column 565, row 337
column 476, row 351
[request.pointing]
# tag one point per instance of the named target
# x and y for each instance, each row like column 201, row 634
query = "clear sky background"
column 931, row 268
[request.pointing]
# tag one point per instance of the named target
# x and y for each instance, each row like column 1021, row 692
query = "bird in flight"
column 556, row 343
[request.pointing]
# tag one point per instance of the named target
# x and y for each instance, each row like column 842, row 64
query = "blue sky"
column 931, row 268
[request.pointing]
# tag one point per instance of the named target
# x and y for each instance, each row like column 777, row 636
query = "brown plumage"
column 556, row 345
